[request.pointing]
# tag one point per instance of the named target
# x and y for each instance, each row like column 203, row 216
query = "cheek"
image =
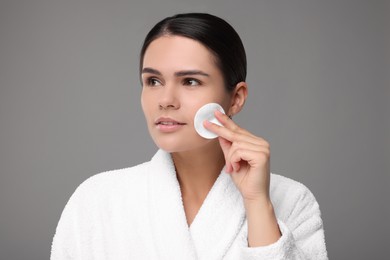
column 145, row 104
column 196, row 102
column 191, row 107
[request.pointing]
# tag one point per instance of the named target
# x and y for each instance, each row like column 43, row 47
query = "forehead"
column 178, row 53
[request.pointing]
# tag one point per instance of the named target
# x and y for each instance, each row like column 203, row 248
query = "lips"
column 168, row 125
column 167, row 121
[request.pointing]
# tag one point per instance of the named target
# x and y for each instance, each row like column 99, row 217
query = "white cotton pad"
column 206, row 112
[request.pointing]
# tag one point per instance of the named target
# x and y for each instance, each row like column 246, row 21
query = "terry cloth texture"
column 138, row 213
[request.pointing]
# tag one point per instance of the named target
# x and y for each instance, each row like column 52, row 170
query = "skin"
column 179, row 76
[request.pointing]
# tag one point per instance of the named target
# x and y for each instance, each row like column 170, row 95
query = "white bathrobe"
column 137, row 213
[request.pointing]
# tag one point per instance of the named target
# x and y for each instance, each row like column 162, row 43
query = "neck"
column 198, row 169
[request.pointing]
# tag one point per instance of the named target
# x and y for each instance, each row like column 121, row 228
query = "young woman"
column 197, row 198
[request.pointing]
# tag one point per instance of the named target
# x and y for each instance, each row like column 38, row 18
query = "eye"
column 152, row 82
column 191, row 82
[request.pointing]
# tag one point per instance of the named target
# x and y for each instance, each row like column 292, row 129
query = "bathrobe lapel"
column 219, row 219
column 171, row 236
column 215, row 226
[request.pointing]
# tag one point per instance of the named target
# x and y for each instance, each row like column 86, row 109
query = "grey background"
column 319, row 93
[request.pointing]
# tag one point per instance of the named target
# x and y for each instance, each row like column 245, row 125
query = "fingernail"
column 230, row 168
column 218, row 112
column 206, row 123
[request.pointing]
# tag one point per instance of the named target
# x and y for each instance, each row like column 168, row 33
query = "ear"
column 239, row 96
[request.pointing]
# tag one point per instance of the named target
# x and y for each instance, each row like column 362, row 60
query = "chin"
column 175, row 144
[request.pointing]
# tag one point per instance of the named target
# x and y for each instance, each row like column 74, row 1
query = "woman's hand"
column 248, row 161
column 247, row 158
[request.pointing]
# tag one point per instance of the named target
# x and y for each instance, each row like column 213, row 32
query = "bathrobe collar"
column 215, row 226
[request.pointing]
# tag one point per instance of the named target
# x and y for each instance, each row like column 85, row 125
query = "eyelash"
column 186, row 82
column 149, row 81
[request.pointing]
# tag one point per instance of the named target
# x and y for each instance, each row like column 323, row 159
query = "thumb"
column 225, row 145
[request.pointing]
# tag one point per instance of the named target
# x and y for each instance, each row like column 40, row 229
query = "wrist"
column 263, row 228
column 263, row 202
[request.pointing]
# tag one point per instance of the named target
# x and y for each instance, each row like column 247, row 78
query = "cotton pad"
column 206, row 112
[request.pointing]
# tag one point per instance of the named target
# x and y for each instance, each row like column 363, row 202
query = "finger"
column 232, row 136
column 253, row 158
column 226, row 148
column 227, row 122
column 238, row 148
column 229, row 147
column 225, row 145
column 256, row 147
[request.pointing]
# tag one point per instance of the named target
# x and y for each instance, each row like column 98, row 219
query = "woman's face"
column 179, row 75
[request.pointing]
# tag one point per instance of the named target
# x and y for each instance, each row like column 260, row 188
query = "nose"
column 169, row 98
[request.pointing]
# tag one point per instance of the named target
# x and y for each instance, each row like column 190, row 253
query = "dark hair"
column 211, row 31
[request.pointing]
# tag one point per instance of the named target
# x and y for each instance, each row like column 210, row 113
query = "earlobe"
column 239, row 96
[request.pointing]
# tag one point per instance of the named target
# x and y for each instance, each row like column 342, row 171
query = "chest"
column 191, row 208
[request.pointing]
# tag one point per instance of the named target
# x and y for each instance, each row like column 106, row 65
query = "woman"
column 197, row 198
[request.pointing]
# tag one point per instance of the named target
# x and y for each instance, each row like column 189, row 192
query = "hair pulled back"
column 214, row 33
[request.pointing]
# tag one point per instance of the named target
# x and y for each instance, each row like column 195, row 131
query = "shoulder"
column 279, row 182
column 117, row 176
column 113, row 183
column 284, row 184
column 289, row 195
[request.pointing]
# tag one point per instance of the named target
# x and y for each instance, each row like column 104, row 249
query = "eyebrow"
column 151, row 71
column 191, row 73
column 178, row 73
